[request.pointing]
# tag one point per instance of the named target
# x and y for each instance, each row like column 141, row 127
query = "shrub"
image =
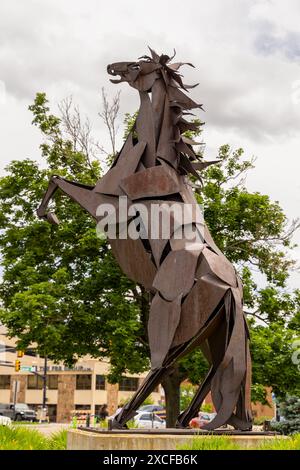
column 21, row 438
column 207, row 408
column 290, row 409
column 58, row 440
column 259, row 421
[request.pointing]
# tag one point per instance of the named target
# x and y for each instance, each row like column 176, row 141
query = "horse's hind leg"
column 242, row 418
column 217, row 345
column 228, row 383
column 228, row 378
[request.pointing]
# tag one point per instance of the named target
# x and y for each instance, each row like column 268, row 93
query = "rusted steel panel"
column 176, row 275
column 127, row 252
column 154, row 182
column 218, row 265
column 110, row 183
column 199, row 305
column 163, row 320
column 210, row 241
column 187, row 237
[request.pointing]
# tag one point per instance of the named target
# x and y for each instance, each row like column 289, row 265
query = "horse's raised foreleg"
column 80, row 193
column 41, row 212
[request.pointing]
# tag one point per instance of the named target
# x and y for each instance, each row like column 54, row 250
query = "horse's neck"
column 151, row 122
column 158, row 97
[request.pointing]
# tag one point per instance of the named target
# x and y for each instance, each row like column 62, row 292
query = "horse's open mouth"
column 115, row 73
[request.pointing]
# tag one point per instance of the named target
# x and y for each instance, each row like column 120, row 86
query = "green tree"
column 61, row 286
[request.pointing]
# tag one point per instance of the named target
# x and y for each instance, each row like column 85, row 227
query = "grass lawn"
column 225, row 443
column 21, row 438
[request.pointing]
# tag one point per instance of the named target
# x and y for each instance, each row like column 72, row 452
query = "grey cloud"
column 288, row 45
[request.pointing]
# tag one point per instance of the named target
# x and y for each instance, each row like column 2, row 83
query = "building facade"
column 83, row 387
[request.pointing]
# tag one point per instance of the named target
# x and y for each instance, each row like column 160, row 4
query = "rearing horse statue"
column 196, row 295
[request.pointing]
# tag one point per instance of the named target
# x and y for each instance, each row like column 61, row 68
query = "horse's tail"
column 230, row 386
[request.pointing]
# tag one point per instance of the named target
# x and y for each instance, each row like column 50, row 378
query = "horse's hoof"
column 178, row 425
column 114, row 424
column 52, row 218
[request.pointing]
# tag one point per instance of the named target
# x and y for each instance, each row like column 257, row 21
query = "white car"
column 5, row 421
column 149, row 421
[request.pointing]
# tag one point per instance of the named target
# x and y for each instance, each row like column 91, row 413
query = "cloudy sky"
column 246, row 54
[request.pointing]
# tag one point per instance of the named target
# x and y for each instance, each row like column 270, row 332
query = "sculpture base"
column 155, row 439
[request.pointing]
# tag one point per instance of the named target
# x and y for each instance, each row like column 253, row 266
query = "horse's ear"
column 154, row 55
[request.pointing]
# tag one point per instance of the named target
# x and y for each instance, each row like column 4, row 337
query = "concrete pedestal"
column 168, row 439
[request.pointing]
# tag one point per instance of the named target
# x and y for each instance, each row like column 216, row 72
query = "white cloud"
column 245, row 53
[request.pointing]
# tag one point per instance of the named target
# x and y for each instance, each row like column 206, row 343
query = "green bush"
column 291, row 426
column 207, row 408
column 58, row 440
column 259, row 421
column 21, row 438
column 290, row 409
column 187, row 392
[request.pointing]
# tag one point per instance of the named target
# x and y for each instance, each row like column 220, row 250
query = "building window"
column 83, row 407
column 128, row 384
column 52, row 382
column 4, row 382
column 35, row 382
column 100, row 382
column 83, row 382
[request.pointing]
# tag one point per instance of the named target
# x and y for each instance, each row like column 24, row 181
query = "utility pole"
column 45, row 383
column 16, row 389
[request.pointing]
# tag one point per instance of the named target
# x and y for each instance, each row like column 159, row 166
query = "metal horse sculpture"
column 196, row 293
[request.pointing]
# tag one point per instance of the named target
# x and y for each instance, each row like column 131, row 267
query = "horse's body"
column 196, row 293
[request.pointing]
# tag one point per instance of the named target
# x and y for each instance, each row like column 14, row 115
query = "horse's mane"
column 187, row 160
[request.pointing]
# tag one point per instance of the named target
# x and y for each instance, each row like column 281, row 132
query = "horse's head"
column 143, row 73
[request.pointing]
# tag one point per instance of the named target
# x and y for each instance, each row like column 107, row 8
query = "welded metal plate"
column 198, row 307
column 154, row 182
column 218, row 265
column 109, row 184
column 176, row 275
column 134, row 260
column 163, row 320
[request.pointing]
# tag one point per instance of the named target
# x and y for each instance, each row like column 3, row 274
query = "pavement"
column 48, row 429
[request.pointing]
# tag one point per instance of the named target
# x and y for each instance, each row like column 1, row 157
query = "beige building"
column 84, row 387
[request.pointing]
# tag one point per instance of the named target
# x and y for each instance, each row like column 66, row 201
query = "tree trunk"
column 171, row 385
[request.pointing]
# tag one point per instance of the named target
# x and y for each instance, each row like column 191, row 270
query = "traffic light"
column 20, row 353
column 17, row 365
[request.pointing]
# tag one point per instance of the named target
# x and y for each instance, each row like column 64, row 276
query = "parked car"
column 18, row 412
column 148, row 420
column 157, row 409
column 5, row 421
column 201, row 419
